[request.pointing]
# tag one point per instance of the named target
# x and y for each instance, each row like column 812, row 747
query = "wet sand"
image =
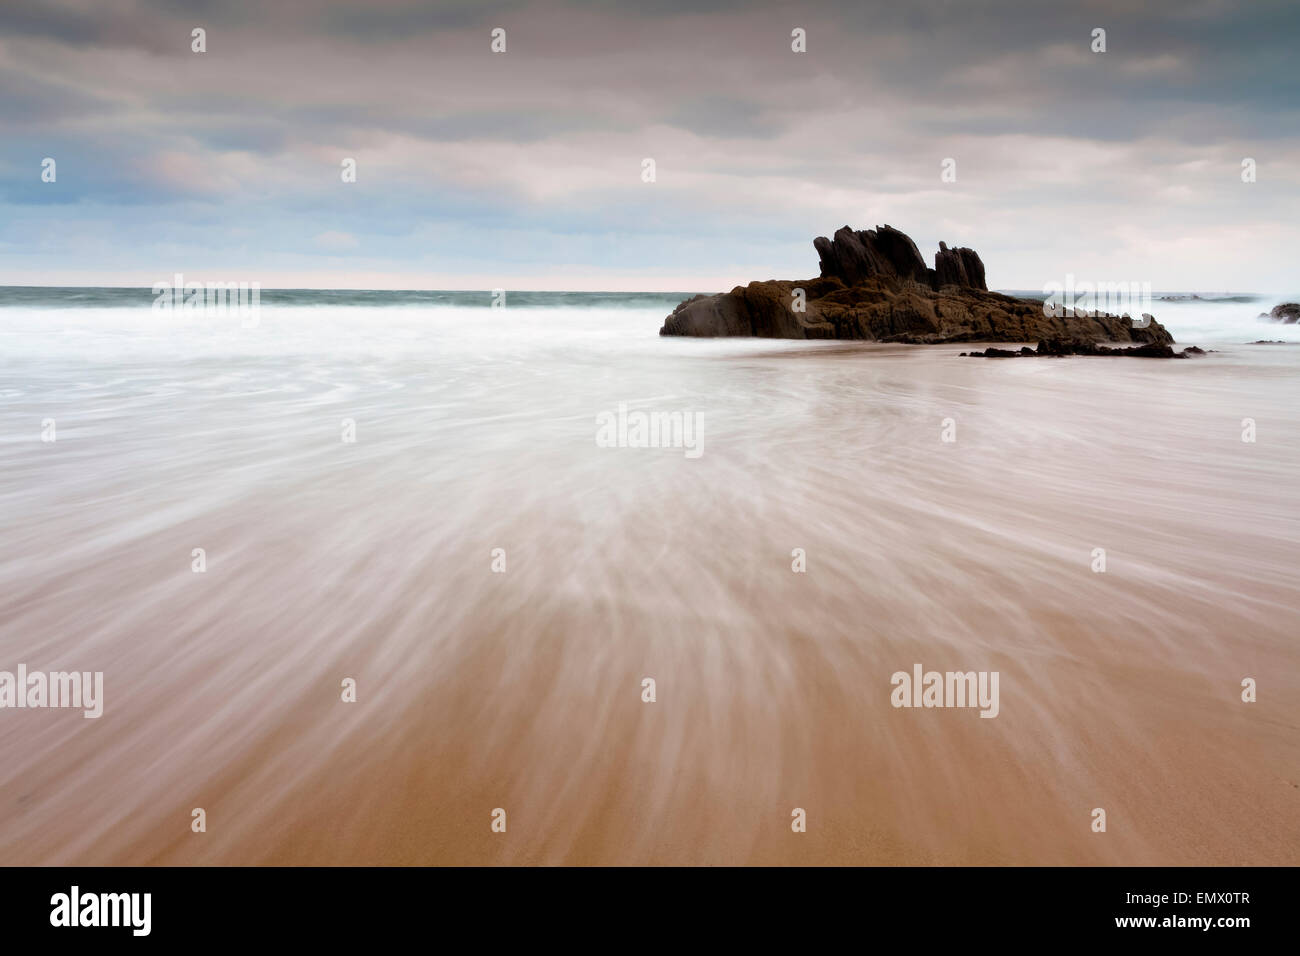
column 522, row 690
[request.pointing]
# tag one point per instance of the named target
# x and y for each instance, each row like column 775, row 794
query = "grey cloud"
column 28, row 99
column 726, row 117
column 854, row 125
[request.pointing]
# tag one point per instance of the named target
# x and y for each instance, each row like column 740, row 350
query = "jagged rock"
column 853, row 257
column 960, row 267
column 874, row 285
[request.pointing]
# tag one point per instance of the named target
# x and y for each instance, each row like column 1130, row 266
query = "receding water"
column 475, row 430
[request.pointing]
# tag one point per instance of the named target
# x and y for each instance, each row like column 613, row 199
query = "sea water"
column 407, row 491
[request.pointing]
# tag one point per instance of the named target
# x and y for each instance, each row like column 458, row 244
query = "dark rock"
column 1067, row 347
column 1286, row 312
column 874, row 285
column 853, row 257
column 1057, row 348
column 1150, row 350
column 959, row 267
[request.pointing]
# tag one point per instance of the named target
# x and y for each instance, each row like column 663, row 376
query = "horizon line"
column 266, row 288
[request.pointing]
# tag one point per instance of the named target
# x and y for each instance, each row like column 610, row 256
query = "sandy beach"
column 522, row 689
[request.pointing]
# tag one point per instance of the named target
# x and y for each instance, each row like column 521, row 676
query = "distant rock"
column 875, row 285
column 1286, row 312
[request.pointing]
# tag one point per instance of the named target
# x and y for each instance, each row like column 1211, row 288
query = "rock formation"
column 875, row 285
column 1286, row 312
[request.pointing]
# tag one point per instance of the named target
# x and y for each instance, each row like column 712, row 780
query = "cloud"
column 533, row 157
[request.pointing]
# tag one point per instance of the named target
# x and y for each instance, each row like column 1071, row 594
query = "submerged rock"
column 1055, row 348
column 875, row 285
column 999, row 353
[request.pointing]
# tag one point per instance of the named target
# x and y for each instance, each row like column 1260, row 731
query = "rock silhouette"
column 875, row 285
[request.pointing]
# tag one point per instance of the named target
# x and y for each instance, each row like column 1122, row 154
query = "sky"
column 524, row 169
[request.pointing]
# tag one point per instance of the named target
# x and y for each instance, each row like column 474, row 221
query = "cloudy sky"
column 524, row 169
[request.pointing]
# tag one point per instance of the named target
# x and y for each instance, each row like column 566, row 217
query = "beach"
column 948, row 510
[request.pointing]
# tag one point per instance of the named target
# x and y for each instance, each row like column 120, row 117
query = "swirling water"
column 522, row 689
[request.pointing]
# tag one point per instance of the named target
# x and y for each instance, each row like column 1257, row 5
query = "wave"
column 55, row 297
column 1204, row 318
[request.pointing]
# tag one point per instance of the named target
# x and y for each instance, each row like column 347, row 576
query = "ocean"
column 409, row 491
column 1193, row 318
